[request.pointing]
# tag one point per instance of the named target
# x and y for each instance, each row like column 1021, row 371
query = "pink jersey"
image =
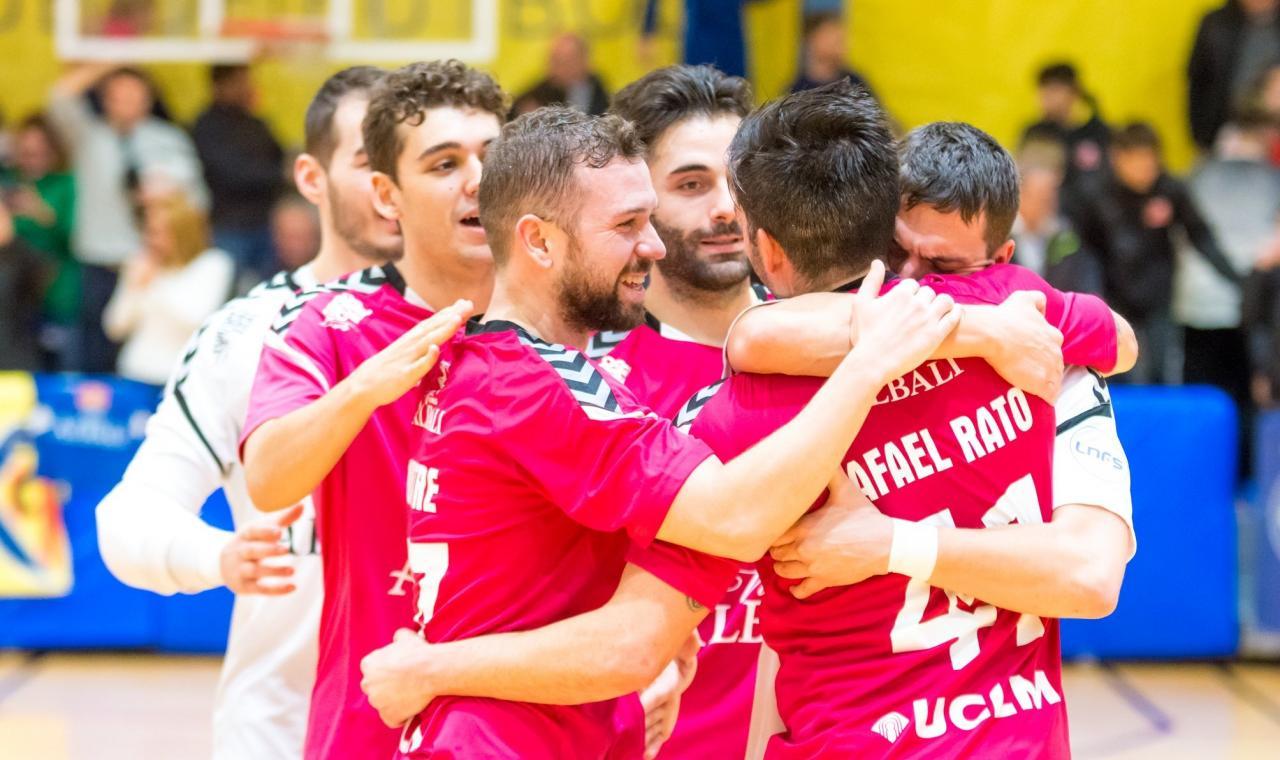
column 664, row 368
column 321, row 337
column 891, row 667
column 536, row 480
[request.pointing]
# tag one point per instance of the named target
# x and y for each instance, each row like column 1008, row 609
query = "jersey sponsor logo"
column 344, row 312
column 935, row 718
column 429, row 416
column 1098, row 452
column 617, row 368
column 923, row 379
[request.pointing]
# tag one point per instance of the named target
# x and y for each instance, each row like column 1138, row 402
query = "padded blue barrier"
column 1179, row 598
column 1263, row 545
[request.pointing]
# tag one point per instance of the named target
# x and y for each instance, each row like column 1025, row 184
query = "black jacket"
column 242, row 166
column 547, row 93
column 1133, row 236
column 1211, row 70
column 24, row 274
column 1260, row 316
column 1085, row 147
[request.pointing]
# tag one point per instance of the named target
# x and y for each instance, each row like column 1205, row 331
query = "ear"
column 310, row 178
column 772, row 257
column 386, row 196
column 533, row 236
column 1004, row 254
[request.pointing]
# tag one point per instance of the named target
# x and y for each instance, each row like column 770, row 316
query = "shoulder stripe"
column 603, row 342
column 579, row 375
column 693, row 407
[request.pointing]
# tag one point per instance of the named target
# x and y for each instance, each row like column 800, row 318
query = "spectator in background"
column 23, row 277
column 569, row 81
column 243, row 166
column 1070, row 114
column 1233, row 46
column 117, row 158
column 712, row 34
column 1130, row 221
column 1238, row 191
column 40, row 194
column 1264, row 98
column 825, row 57
column 1261, row 320
column 166, row 289
column 1046, row 242
column 295, row 231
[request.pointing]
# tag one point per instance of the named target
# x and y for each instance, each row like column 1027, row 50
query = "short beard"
column 588, row 305
column 349, row 225
column 692, row 275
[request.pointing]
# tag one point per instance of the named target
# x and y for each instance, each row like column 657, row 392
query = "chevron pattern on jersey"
column 585, row 383
column 689, row 412
column 603, row 343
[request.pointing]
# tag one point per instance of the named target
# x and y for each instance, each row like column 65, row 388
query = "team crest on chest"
column 617, row 368
column 344, row 312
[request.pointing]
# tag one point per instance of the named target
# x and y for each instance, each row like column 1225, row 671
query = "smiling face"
column 696, row 217
column 437, row 179
column 611, row 248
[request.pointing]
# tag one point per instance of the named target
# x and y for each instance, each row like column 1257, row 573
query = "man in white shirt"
column 149, row 529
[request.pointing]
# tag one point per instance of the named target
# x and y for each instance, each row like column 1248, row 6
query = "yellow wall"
column 972, row 60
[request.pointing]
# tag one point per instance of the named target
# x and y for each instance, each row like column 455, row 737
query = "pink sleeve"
column 702, row 577
column 1088, row 332
column 607, row 468
column 297, row 366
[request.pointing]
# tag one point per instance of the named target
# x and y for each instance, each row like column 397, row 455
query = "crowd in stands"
column 120, row 231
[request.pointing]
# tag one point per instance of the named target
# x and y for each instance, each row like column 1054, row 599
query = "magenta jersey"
column 892, row 667
column 664, row 368
column 321, row 337
column 537, row 478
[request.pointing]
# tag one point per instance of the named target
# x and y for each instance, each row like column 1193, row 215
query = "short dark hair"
column 818, row 171
column 1059, row 73
column 530, row 168
column 405, row 95
column 951, row 166
column 662, row 98
column 815, row 21
column 1134, row 135
column 42, row 124
column 220, row 73
column 319, row 138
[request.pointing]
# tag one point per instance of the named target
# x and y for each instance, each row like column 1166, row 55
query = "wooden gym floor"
column 143, row 707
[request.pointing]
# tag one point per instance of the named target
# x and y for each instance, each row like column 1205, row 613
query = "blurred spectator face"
column 438, row 177
column 1136, row 168
column 237, row 90
column 295, row 231
column 931, row 241
column 349, row 189
column 1056, row 101
column 126, row 100
column 568, row 63
column 696, row 217
column 33, row 155
column 1038, row 198
column 157, row 233
column 1259, row 7
column 826, row 42
column 1269, row 92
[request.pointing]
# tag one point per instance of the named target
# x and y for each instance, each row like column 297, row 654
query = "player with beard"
column 149, row 529
column 333, row 408
column 538, row 479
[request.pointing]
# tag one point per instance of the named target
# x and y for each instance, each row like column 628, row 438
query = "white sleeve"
column 1089, row 463
column 765, row 720
column 149, row 527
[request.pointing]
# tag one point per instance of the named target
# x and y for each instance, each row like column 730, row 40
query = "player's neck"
column 442, row 284
column 517, row 302
column 336, row 259
column 703, row 316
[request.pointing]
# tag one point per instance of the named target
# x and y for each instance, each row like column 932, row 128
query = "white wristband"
column 914, row 550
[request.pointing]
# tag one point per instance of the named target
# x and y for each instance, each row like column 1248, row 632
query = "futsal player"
column 149, row 528
column 332, row 411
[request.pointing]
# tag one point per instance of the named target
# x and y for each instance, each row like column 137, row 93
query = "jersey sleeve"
column 298, row 363
column 1089, row 463
column 701, row 577
column 1088, row 331
column 605, row 460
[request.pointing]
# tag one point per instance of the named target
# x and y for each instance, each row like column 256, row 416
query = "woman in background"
column 166, row 290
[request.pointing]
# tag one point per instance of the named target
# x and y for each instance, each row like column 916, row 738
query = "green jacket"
column 62, row 299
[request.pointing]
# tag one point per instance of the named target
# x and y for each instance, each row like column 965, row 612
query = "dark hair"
column 660, row 99
column 41, row 123
column 1059, row 73
column 220, row 73
column 405, row 95
column 951, row 166
column 815, row 21
column 530, row 168
column 817, row 170
column 320, row 140
column 1134, row 135
column 1251, row 119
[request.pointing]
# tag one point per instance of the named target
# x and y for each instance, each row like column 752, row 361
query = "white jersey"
column 151, row 535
